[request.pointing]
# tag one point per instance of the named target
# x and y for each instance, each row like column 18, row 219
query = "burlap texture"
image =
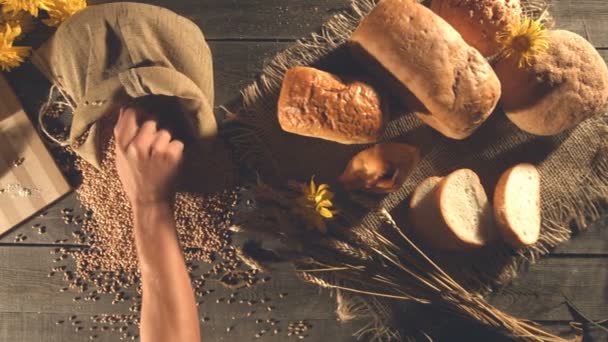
column 106, row 55
column 573, row 165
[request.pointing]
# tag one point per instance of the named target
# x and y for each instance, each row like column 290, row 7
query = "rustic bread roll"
column 380, row 169
column 453, row 213
column 318, row 104
column 562, row 87
column 517, row 205
column 429, row 58
column 479, row 21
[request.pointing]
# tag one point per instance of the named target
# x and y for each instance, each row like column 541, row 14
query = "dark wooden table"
column 242, row 35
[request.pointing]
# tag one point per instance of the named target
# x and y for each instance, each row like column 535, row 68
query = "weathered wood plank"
column 594, row 241
column 253, row 19
column 26, row 289
column 25, row 286
column 43, row 327
column 585, row 17
column 51, row 219
column 281, row 19
column 537, row 294
column 236, row 64
column 289, row 20
column 534, row 295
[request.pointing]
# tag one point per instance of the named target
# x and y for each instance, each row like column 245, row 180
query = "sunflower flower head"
column 316, row 204
column 17, row 18
column 11, row 56
column 30, row 6
column 60, row 10
column 524, row 40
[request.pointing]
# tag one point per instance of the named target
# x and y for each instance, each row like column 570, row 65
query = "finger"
column 126, row 127
column 144, row 138
column 176, row 150
column 161, row 141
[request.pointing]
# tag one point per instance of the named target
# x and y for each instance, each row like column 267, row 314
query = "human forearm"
column 168, row 309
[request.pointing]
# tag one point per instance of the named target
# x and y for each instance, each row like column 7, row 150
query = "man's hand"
column 147, row 160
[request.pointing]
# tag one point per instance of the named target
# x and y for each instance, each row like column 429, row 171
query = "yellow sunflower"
column 316, row 204
column 60, row 10
column 11, row 56
column 30, row 6
column 17, row 18
column 524, row 40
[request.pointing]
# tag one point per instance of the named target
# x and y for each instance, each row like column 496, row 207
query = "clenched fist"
column 147, row 159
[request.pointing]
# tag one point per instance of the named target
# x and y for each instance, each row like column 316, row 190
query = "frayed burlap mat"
column 573, row 165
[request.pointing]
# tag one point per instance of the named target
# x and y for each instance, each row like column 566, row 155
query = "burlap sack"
column 573, row 165
column 106, row 55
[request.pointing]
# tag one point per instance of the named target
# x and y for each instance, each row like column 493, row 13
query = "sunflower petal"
column 326, row 213
column 324, row 195
column 324, row 204
column 322, row 187
column 313, row 186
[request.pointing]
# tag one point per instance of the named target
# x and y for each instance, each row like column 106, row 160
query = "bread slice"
column 318, row 104
column 423, row 216
column 452, row 213
column 517, row 205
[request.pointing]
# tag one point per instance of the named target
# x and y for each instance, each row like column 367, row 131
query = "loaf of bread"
column 517, row 205
column 479, row 21
column 380, row 169
column 561, row 88
column 452, row 213
column 428, row 58
column 318, row 104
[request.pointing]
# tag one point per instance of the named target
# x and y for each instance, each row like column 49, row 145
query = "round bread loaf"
column 380, row 169
column 561, row 88
column 429, row 59
column 479, row 21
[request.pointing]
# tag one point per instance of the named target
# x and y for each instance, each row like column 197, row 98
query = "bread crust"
column 382, row 168
column 561, row 88
column 486, row 227
column 507, row 229
column 479, row 21
column 424, row 216
column 451, row 79
column 318, row 104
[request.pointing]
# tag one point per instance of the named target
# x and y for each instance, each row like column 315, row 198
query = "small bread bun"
column 517, row 205
column 380, row 169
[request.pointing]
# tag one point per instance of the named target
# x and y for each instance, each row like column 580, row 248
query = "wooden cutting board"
column 29, row 178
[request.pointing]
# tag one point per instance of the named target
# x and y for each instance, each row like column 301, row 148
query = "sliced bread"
column 452, row 213
column 517, row 205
